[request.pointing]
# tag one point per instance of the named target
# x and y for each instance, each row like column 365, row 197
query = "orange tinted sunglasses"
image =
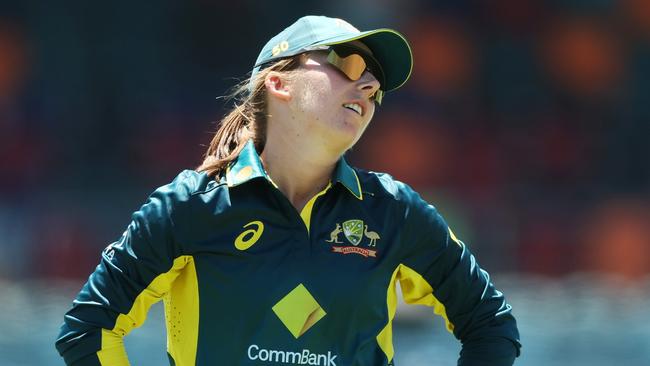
column 353, row 62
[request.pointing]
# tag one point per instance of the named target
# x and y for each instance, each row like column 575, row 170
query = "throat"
column 304, row 201
column 299, row 204
column 305, row 208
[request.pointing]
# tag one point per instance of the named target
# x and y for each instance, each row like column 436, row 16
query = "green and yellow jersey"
column 248, row 280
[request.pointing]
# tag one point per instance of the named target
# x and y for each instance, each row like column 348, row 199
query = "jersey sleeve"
column 438, row 270
column 134, row 272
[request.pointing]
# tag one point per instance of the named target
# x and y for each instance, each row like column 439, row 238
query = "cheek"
column 369, row 114
column 328, row 84
column 312, row 95
column 371, row 111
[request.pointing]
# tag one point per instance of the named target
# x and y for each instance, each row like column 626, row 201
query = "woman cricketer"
column 275, row 250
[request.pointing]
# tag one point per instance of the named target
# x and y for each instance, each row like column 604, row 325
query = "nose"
column 368, row 84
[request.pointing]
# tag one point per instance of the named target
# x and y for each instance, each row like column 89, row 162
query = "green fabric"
column 337, row 275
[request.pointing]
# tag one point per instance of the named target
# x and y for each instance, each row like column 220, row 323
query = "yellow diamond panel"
column 298, row 311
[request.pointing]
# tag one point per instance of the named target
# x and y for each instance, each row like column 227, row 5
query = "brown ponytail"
column 247, row 120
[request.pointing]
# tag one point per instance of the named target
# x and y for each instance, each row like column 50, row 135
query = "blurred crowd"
column 527, row 123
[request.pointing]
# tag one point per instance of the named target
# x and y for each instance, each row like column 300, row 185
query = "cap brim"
column 392, row 51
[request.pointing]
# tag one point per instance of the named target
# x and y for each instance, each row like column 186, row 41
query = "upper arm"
column 134, row 272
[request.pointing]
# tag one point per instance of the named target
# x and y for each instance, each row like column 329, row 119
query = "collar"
column 344, row 174
column 248, row 165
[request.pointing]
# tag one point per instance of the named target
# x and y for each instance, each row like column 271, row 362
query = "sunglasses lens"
column 352, row 65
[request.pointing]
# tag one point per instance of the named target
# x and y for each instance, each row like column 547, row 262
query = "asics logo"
column 249, row 237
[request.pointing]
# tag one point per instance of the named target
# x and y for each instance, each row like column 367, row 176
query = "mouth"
column 356, row 107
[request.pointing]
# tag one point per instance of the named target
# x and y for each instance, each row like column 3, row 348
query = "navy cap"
column 312, row 32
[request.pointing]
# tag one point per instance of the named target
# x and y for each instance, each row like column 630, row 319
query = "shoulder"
column 420, row 224
column 190, row 182
column 173, row 201
column 383, row 185
column 182, row 189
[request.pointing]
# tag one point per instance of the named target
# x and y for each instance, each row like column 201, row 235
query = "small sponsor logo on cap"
column 279, row 48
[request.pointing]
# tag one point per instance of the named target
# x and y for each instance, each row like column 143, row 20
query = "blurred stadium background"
column 527, row 123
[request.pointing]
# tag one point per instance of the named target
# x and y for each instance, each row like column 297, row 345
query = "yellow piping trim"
column 360, row 195
column 305, row 214
column 113, row 352
column 454, row 238
column 271, row 180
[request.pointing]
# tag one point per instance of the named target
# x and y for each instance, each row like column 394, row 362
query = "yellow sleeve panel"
column 416, row 290
column 385, row 337
column 182, row 316
column 113, row 352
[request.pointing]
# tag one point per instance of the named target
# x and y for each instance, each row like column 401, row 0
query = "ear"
column 276, row 85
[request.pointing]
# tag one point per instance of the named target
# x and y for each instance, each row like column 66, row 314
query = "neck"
column 300, row 172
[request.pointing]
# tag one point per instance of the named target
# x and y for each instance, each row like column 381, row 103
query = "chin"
column 342, row 136
column 354, row 133
column 340, row 142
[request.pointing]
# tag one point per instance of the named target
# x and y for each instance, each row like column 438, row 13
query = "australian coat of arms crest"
column 354, row 231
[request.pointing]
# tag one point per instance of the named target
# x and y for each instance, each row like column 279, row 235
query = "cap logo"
column 279, row 48
column 343, row 24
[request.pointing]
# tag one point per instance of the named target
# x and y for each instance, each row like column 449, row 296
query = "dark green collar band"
column 249, row 166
